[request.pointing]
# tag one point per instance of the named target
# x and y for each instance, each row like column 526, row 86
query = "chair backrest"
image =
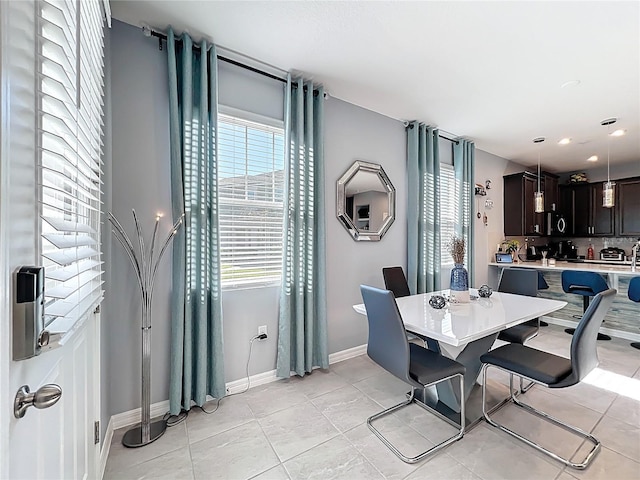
column 542, row 283
column 583, row 283
column 634, row 289
column 388, row 345
column 395, row 281
column 584, row 353
column 519, row 281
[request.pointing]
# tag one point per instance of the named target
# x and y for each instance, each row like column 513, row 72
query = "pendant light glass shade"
column 539, row 202
column 538, row 199
column 608, row 187
column 608, row 194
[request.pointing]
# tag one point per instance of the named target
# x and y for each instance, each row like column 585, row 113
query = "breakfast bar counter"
column 623, row 320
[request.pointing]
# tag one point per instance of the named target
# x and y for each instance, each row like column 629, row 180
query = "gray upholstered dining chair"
column 395, row 280
column 552, row 371
column 415, row 365
column 520, row 282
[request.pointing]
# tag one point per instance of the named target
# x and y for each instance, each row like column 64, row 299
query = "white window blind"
column 70, row 99
column 251, row 185
column 448, row 211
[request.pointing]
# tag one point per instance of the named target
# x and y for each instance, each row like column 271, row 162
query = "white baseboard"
column 634, row 337
column 254, row 380
column 347, row 354
column 132, row 417
column 106, row 446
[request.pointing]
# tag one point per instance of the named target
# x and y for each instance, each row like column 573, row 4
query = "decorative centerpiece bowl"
column 437, row 302
column 485, row 291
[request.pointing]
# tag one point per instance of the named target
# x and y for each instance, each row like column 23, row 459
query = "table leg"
column 445, row 398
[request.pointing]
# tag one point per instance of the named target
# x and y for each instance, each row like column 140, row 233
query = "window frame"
column 243, row 116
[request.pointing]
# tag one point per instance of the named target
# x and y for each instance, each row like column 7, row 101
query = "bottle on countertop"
column 590, row 252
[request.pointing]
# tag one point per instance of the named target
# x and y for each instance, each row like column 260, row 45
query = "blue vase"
column 459, row 283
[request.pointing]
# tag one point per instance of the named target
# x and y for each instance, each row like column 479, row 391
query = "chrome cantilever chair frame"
column 526, row 290
column 552, row 371
column 408, row 402
column 416, row 366
column 587, row 436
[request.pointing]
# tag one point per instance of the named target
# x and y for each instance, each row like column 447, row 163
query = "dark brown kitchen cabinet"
column 582, row 203
column 519, row 215
column 628, row 205
column 550, row 189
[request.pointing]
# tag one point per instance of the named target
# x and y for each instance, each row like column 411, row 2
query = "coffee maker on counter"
column 563, row 250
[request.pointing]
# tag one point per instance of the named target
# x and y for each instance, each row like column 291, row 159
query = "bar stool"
column 542, row 285
column 634, row 296
column 587, row 284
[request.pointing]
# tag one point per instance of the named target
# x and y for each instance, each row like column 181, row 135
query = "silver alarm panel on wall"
column 29, row 335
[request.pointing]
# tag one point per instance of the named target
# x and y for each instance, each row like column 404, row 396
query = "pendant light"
column 608, row 187
column 538, row 199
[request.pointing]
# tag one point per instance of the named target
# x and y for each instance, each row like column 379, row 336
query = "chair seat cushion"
column 427, row 367
column 536, row 364
column 519, row 333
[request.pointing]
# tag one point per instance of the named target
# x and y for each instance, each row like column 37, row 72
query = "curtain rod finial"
column 146, row 30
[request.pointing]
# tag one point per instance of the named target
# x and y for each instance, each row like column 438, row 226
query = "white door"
column 57, row 442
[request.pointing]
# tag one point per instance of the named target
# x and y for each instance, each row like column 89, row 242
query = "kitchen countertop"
column 589, row 266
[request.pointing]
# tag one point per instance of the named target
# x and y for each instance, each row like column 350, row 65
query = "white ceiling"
column 489, row 71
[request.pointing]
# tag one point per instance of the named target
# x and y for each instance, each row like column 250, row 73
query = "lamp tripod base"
column 133, row 437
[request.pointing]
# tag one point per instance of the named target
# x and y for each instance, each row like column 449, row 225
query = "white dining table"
column 465, row 331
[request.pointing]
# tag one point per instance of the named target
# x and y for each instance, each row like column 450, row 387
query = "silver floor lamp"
column 145, row 268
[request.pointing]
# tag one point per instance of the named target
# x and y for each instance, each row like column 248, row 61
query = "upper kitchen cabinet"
column 551, row 194
column 628, row 205
column 520, row 217
column 582, row 203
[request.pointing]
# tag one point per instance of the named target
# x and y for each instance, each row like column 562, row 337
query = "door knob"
column 44, row 397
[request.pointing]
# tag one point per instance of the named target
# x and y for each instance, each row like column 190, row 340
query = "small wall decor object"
column 480, row 190
column 146, row 268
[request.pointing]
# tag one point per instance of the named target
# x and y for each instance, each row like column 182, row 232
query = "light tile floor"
column 315, row 427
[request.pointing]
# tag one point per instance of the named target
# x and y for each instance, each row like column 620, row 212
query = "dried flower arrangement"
column 457, row 249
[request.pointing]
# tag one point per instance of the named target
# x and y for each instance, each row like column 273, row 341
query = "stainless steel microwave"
column 556, row 224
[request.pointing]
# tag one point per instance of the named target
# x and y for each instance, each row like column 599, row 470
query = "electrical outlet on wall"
column 262, row 329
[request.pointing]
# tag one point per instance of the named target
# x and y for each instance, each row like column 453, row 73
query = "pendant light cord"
column 608, row 150
column 538, row 169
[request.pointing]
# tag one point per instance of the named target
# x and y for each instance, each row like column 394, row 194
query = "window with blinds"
column 250, row 186
column 448, row 211
column 70, row 99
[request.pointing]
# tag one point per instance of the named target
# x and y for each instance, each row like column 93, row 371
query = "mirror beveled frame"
column 358, row 234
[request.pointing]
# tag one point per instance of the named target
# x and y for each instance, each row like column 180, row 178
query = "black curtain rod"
column 162, row 36
column 410, row 126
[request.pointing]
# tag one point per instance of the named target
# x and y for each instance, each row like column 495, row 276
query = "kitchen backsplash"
column 582, row 244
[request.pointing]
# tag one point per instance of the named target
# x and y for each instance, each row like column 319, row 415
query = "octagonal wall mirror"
column 366, row 201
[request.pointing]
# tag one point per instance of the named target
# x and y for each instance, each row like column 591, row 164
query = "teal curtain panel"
column 423, row 208
column 302, row 327
column 197, row 364
column 463, row 164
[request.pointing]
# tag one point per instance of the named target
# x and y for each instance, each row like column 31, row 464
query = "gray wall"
column 140, row 180
column 353, row 133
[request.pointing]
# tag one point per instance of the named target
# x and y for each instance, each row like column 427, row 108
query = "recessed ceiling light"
column 618, row 133
column 570, row 83
column 592, row 158
column 565, row 141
